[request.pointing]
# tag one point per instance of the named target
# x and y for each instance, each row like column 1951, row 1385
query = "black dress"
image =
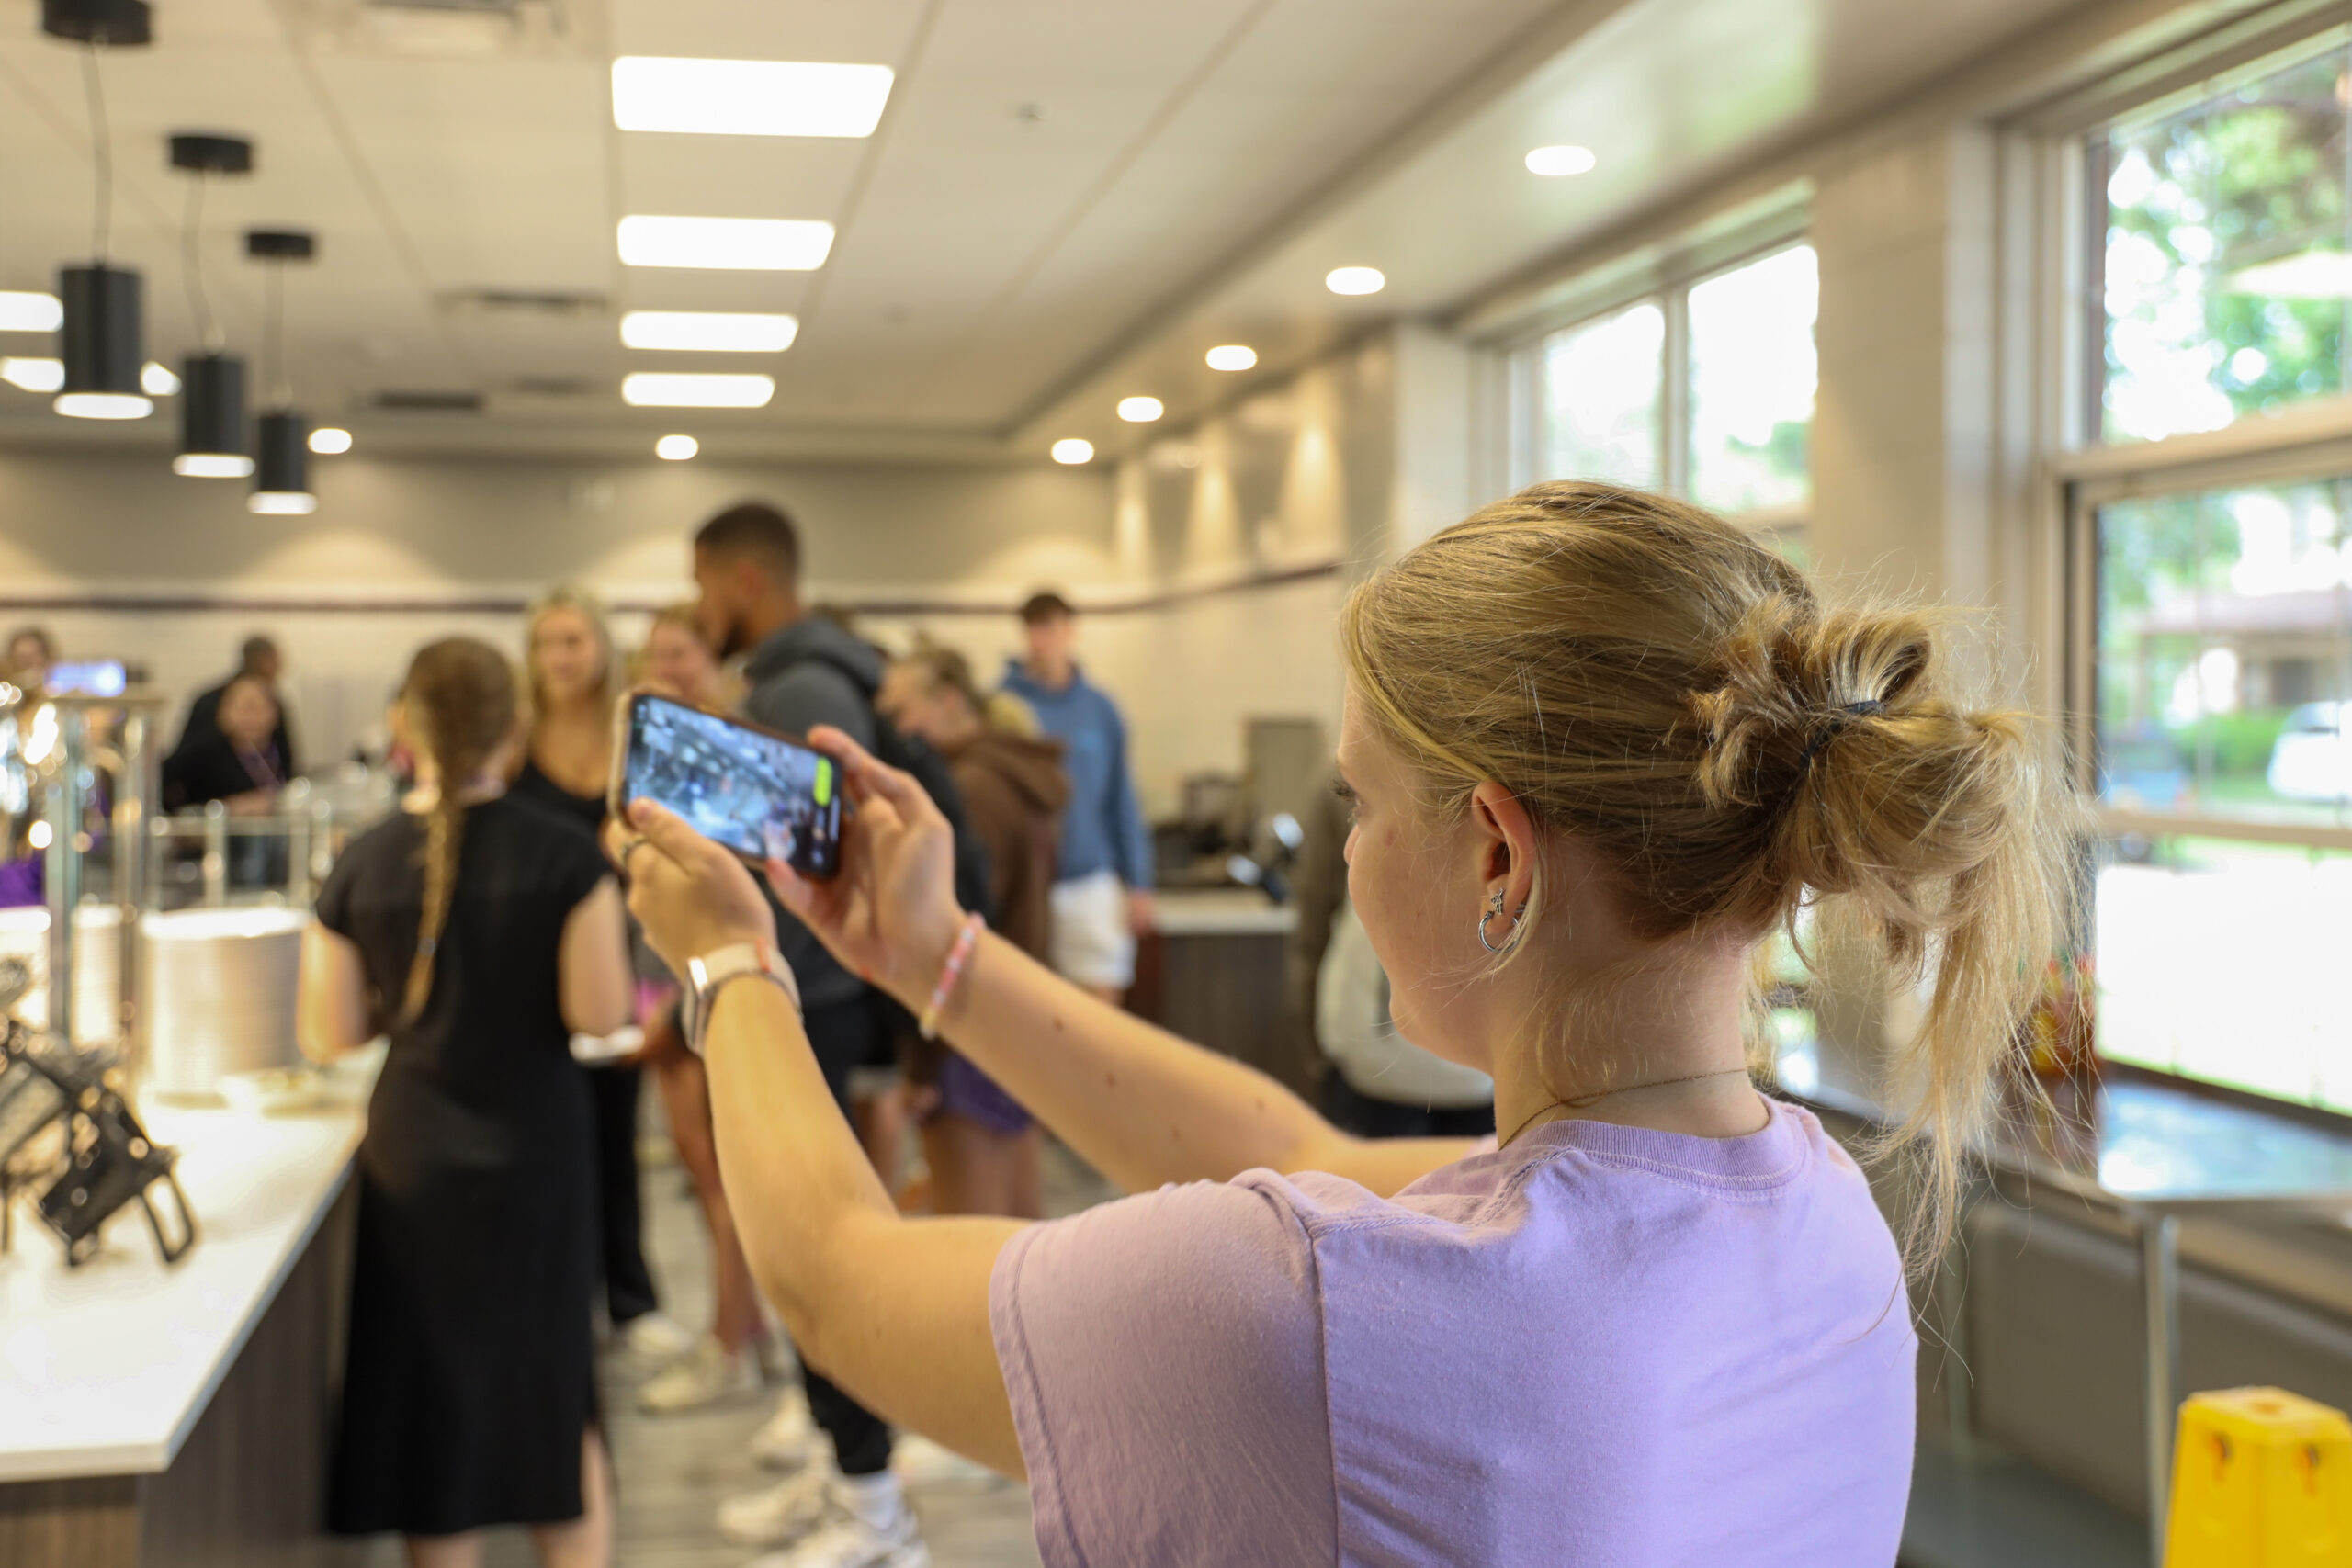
column 612, row 1092
column 471, row 1375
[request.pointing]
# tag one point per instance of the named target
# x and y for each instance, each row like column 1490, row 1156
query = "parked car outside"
column 2313, row 760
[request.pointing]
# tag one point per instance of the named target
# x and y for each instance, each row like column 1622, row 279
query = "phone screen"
column 88, row 677
column 758, row 795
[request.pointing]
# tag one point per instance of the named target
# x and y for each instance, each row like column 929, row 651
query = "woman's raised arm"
column 1141, row 1105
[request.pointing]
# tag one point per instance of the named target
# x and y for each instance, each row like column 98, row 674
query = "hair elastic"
column 1835, row 725
column 957, row 957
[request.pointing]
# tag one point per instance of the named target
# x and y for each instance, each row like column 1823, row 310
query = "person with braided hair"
column 477, row 931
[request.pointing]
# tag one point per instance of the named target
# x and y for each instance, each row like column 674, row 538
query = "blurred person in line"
column 31, row 651
column 566, row 766
column 803, row 671
column 237, row 760
column 257, row 659
column 480, row 932
column 1602, row 745
column 1103, row 900
column 727, row 1363
column 1367, row 1079
column 981, row 1145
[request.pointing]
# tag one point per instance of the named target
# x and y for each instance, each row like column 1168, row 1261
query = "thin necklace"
column 1577, row 1102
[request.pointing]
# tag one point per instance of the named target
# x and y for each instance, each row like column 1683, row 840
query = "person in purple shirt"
column 1600, row 745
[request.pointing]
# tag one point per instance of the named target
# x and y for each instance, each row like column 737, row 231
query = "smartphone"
column 766, row 796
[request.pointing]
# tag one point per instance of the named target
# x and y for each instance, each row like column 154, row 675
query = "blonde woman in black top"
column 573, row 679
column 479, row 931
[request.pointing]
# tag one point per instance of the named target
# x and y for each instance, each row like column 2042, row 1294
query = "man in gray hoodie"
column 804, row 670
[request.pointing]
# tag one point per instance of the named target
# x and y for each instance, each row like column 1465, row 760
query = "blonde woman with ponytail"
column 1600, row 746
column 478, row 933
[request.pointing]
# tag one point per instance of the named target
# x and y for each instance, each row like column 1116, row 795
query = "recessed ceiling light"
column 103, row 405
column 748, row 98
column 22, row 312
column 1232, row 357
column 212, row 464
column 715, row 332
column 1071, row 449
column 33, row 374
column 736, row 244
column 282, row 503
column 1354, row 280
column 328, row 441
column 1562, row 160
column 676, row 448
column 666, row 389
column 156, row 381
column 1140, row 411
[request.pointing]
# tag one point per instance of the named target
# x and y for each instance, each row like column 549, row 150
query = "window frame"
column 1667, row 283
column 2306, row 442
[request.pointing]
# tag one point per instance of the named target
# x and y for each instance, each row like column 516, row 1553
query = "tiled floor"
column 675, row 1469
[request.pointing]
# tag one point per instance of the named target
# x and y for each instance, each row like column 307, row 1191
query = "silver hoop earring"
column 1494, row 907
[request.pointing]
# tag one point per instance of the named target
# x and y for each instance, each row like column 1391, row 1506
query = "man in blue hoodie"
column 804, row 670
column 1102, row 899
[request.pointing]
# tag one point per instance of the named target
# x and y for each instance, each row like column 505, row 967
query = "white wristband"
column 710, row 974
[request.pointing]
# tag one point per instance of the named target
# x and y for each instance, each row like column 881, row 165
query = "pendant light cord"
column 273, row 341
column 101, row 154
column 192, row 265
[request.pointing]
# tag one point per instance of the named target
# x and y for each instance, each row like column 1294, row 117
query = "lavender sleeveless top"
column 1604, row 1346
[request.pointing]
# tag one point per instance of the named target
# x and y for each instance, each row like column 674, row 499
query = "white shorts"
column 1092, row 945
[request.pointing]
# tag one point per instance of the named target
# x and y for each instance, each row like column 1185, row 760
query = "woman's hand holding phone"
column 890, row 915
column 691, row 895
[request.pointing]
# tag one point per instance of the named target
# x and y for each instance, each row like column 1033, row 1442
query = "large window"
column 2223, row 263
column 1705, row 390
column 2215, row 580
column 2224, row 680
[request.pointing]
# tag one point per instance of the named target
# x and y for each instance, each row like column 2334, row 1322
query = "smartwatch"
column 715, row 970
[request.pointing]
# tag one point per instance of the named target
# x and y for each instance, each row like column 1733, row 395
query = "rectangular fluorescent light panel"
column 664, row 389
column 34, row 375
column 30, row 313
column 748, row 98
column 712, row 332
column 737, row 244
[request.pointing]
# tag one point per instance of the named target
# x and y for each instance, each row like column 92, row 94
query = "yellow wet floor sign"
column 2261, row 1478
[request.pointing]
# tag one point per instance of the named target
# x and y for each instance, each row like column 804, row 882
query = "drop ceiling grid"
column 493, row 169
column 1321, row 81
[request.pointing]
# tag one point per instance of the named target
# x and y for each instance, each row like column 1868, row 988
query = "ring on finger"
column 631, row 848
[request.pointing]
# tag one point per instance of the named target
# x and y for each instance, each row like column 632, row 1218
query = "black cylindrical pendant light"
column 282, row 436
column 101, row 338
column 282, row 480
column 212, row 418
column 212, row 382
column 100, row 344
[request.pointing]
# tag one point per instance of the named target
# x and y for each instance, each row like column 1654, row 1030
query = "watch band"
column 712, row 972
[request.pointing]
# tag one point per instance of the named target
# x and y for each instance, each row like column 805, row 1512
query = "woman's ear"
column 1505, row 842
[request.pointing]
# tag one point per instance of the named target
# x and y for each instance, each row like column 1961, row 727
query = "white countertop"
column 1222, row 911
column 104, row 1369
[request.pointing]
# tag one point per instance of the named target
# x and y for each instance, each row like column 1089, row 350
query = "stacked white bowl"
column 220, row 996
column 97, row 968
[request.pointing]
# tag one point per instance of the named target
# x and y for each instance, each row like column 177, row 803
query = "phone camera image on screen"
column 758, row 795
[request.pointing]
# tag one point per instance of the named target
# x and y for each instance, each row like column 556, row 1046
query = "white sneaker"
column 708, row 1375
column 854, row 1543
column 919, row 1462
column 788, row 1439
column 791, row 1510
column 657, row 1339
column 867, row 1525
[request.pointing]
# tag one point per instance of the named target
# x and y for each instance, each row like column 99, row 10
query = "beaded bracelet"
column 958, row 956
